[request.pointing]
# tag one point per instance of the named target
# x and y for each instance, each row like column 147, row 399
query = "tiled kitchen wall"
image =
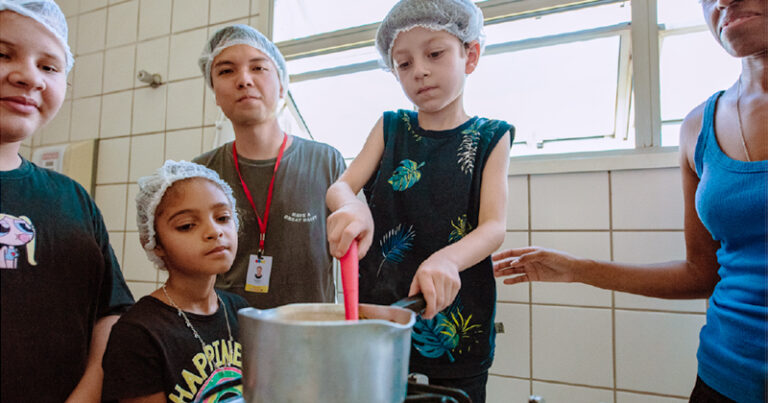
column 568, row 343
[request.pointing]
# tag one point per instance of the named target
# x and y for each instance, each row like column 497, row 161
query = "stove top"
column 418, row 392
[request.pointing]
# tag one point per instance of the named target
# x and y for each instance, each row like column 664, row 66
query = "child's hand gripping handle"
column 350, row 281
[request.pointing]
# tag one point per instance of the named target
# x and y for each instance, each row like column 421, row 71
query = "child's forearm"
column 475, row 246
column 339, row 194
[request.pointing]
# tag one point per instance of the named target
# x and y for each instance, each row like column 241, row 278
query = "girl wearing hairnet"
column 435, row 181
column 62, row 288
column 188, row 226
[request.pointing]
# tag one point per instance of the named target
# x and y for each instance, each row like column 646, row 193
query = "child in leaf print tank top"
column 435, row 182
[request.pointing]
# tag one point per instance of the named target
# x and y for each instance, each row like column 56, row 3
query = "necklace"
column 738, row 119
column 189, row 324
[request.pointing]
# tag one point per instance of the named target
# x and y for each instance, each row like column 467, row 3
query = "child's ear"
column 473, row 56
column 159, row 251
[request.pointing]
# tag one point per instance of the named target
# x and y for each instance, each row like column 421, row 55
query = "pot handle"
column 415, row 303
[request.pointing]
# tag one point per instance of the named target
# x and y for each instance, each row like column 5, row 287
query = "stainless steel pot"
column 309, row 353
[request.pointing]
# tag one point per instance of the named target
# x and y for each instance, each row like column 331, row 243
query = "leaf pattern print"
column 407, row 119
column 460, row 229
column 395, row 243
column 406, row 175
column 472, row 137
column 448, row 333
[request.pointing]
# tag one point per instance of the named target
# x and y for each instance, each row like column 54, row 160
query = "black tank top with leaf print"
column 425, row 196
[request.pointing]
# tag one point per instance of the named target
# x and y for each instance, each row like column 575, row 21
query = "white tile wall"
column 116, row 114
column 555, row 393
column 87, row 5
column 185, row 50
column 183, row 144
column 189, row 14
column 648, row 198
column 72, row 24
column 130, row 210
column 88, row 72
column 568, row 341
column 86, row 113
column 152, row 56
column 656, row 352
column 112, row 164
column 111, row 201
column 91, row 31
column 507, row 390
column 118, row 68
column 513, row 346
column 517, row 203
column 227, row 10
column 626, row 397
column 570, row 201
column 122, row 22
column 149, row 109
column 147, row 154
column 154, row 18
column 136, row 266
column 185, row 104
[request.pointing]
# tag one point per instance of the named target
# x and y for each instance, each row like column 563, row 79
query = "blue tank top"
column 732, row 202
column 425, row 196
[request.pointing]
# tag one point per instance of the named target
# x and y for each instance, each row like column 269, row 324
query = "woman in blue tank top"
column 724, row 162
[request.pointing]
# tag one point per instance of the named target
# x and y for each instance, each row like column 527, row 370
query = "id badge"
column 259, row 271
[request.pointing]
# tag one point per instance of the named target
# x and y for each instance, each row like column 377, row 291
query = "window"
column 561, row 71
column 692, row 65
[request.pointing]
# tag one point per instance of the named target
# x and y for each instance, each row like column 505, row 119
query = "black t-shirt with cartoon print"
column 58, row 275
column 152, row 350
column 425, row 196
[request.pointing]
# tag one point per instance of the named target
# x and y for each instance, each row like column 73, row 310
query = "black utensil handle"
column 415, row 303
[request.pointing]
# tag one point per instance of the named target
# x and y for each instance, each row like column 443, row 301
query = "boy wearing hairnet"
column 435, row 181
column 62, row 289
column 279, row 180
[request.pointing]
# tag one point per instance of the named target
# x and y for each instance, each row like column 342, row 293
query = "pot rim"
column 281, row 315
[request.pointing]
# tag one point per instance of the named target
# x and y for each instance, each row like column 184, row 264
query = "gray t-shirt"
column 302, row 267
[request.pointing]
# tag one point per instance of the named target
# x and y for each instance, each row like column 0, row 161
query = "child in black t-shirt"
column 179, row 342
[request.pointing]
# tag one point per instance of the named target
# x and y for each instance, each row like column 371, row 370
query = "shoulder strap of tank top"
column 707, row 133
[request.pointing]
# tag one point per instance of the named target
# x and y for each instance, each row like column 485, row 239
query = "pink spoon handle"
column 350, row 281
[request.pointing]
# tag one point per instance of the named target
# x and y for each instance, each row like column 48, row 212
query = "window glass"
column 565, row 91
column 679, row 13
column 692, row 67
column 341, row 110
column 300, row 18
column 558, row 23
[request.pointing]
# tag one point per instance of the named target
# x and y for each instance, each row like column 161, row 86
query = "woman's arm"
column 350, row 217
column 437, row 278
column 695, row 277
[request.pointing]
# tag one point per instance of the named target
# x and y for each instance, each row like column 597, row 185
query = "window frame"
column 638, row 70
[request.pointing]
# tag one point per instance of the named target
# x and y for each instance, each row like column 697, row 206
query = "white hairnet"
column 152, row 188
column 240, row 34
column 47, row 13
column 461, row 18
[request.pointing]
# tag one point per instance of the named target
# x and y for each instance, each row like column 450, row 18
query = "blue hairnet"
column 152, row 188
column 461, row 18
column 241, row 35
column 49, row 15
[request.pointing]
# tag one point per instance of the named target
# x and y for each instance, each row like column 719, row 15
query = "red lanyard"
column 262, row 224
